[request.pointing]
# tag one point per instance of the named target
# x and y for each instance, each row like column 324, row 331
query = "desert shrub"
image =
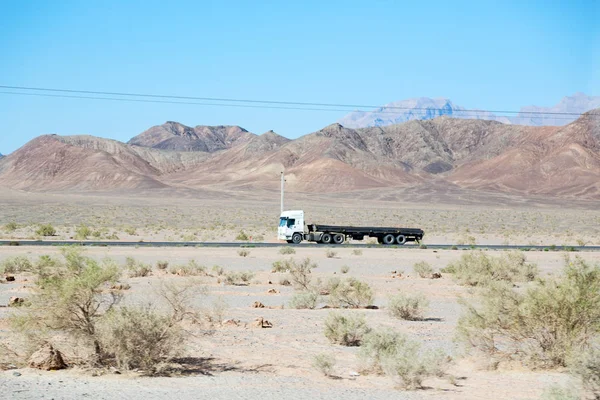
column 300, row 273
column 243, row 253
column 423, row 269
column 218, row 270
column 242, row 236
column 285, row 282
column 542, row 326
column 162, row 265
column 477, row 268
column 82, row 232
column 324, row 363
column 346, row 329
column 130, row 230
column 556, row 392
column 344, row 269
column 287, row 250
column 357, row 252
column 304, row 300
column 137, row 269
column 69, row 299
column 407, row 307
column 238, row 278
column 11, row 226
column 215, row 314
column 586, row 365
column 192, row 268
column 139, row 337
column 46, row 230
column 449, row 269
column 15, row 265
column 283, row 265
column 330, row 253
column 393, row 353
column 351, row 293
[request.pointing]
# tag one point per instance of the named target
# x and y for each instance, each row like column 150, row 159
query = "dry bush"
column 162, row 265
column 11, row 226
column 393, row 353
column 46, row 230
column 423, row 269
column 242, row 236
column 285, row 282
column 541, row 327
column 330, row 253
column 218, row 270
column 130, row 230
column 192, row 268
column 304, row 300
column 346, row 329
column 137, row 269
column 408, row 307
column 15, row 265
column 324, row 363
column 357, row 252
column 300, row 273
column 345, row 269
column 82, row 232
column 586, row 365
column 349, row 293
column 287, row 250
column 238, row 278
column 139, row 337
column 556, row 392
column 477, row 268
column 243, row 253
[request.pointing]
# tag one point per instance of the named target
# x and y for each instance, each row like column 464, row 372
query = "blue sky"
column 489, row 55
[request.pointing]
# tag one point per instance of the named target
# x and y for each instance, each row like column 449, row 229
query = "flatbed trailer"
column 293, row 230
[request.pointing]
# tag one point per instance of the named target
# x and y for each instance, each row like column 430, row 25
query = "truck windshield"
column 291, row 222
column 282, row 221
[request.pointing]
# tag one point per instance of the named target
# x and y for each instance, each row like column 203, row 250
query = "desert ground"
column 237, row 360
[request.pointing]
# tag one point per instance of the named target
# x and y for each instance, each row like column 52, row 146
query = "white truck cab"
column 291, row 226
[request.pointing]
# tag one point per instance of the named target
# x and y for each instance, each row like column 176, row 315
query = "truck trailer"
column 293, row 229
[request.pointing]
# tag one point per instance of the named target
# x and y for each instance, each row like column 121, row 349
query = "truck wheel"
column 388, row 239
column 338, row 238
column 326, row 238
column 297, row 238
column 400, row 239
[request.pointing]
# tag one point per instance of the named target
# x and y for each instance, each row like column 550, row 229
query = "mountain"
column 442, row 152
column 1, row 155
column 424, row 108
column 175, row 136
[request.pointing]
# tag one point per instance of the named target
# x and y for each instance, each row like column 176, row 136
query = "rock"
column 270, row 283
column 9, row 278
column 231, row 322
column 261, row 323
column 272, row 291
column 372, row 307
column 436, row 275
column 47, row 358
column 16, row 373
column 353, row 374
column 15, row 301
column 258, row 304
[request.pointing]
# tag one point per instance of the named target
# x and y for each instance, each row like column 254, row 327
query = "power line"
column 419, row 111
column 147, row 95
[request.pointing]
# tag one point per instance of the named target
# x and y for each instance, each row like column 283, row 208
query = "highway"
column 302, row 245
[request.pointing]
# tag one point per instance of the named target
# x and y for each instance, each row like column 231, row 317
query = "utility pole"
column 282, row 181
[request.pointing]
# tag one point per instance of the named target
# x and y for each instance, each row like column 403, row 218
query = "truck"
column 293, row 229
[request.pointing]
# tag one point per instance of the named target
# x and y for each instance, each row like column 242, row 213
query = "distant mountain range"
column 559, row 161
column 424, row 108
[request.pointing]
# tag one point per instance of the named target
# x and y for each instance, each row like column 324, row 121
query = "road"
column 252, row 244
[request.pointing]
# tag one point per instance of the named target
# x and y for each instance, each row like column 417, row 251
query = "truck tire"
column 296, row 238
column 400, row 239
column 326, row 238
column 389, row 239
column 338, row 238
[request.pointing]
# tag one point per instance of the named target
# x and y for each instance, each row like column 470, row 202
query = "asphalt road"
column 251, row 244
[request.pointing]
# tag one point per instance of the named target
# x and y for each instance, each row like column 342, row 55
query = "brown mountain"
column 477, row 154
column 176, row 136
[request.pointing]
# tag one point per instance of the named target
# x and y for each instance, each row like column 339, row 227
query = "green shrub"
column 477, row 268
column 82, row 232
column 192, row 268
column 393, row 353
column 423, row 269
column 351, row 293
column 586, row 365
column 46, row 230
column 304, row 300
column 300, row 273
column 137, row 269
column 556, row 392
column 11, row 226
column 345, row 269
column 542, row 326
column 139, row 337
column 324, row 363
column 15, row 265
column 346, row 329
column 242, row 236
column 218, row 270
column 287, row 250
column 407, row 307
column 130, row 230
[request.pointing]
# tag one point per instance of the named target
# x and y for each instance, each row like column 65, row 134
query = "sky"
column 480, row 54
